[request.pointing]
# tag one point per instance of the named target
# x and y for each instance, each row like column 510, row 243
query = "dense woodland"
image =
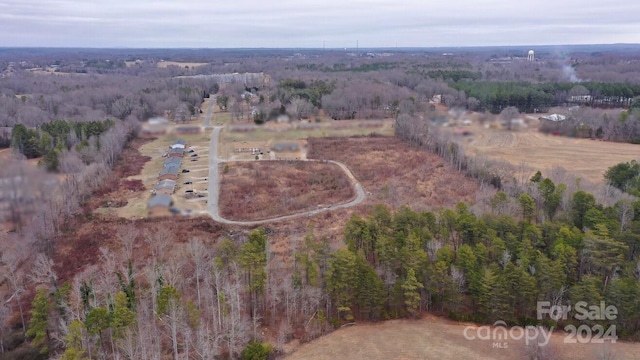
column 551, row 237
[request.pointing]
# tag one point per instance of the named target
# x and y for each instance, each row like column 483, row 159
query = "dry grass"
column 394, row 173
column 537, row 151
column 271, row 133
column 186, row 65
column 436, row 338
column 261, row 190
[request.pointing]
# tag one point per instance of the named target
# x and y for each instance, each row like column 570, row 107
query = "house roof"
column 554, row 117
column 160, row 200
column 158, row 121
column 166, row 184
column 179, row 142
column 170, row 170
column 173, row 161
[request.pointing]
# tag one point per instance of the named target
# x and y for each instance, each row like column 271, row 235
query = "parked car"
column 185, row 171
column 188, row 182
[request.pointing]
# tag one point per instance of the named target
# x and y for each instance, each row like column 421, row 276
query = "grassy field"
column 436, row 338
column 537, row 151
column 264, row 137
column 261, row 190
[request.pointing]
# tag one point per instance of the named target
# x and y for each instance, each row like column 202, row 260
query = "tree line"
column 468, row 266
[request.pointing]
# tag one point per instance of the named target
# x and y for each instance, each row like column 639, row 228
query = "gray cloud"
column 309, row 23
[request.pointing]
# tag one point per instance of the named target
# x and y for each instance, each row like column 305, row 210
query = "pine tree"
column 73, row 342
column 411, row 291
column 370, row 290
column 38, row 327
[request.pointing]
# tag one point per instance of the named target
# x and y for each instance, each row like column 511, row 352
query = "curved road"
column 214, row 189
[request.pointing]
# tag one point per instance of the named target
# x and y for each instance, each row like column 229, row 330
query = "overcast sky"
column 312, row 23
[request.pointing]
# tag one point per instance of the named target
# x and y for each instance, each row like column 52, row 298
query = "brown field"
column 265, row 189
column 393, row 173
column 190, row 65
column 537, row 151
column 437, row 338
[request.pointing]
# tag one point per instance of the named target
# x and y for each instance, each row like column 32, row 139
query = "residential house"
column 165, row 187
column 175, row 152
column 180, row 144
column 169, row 173
column 173, row 162
column 160, row 205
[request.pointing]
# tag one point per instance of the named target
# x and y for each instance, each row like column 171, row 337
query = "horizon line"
column 312, row 48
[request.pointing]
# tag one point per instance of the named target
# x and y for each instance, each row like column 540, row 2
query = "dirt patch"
column 261, row 190
column 395, row 174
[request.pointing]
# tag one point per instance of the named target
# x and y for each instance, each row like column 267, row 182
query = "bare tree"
column 509, row 114
column 197, row 251
column 300, row 108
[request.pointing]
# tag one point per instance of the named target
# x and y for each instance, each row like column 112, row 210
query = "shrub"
column 256, row 350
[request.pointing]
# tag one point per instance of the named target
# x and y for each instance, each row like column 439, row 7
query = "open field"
column 261, row 190
column 264, row 137
column 190, row 65
column 5, row 153
column 537, row 151
column 394, row 173
column 436, row 338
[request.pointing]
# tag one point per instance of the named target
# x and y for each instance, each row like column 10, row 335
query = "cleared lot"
column 537, row 151
column 441, row 339
column 266, row 189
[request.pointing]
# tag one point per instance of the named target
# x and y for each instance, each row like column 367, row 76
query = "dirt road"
column 214, row 189
column 207, row 118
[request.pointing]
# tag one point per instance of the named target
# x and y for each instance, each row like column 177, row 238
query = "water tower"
column 530, row 56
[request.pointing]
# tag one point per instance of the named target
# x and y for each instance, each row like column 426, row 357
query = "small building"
column 160, row 205
column 187, row 130
column 286, row 146
column 159, row 120
column 173, row 162
column 165, row 187
column 554, row 118
column 176, row 153
column 180, row 144
column 169, row 173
